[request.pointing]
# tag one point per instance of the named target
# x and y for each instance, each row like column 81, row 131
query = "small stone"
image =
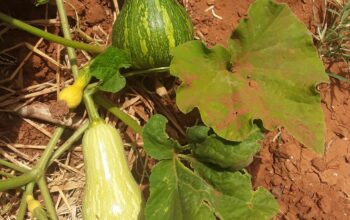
column 311, row 179
column 72, row 7
column 330, row 177
column 325, row 204
column 305, row 204
column 276, row 180
column 36, row 61
column 280, row 154
column 319, row 164
column 286, row 187
column 95, row 14
column 287, row 151
column 293, row 188
column 59, row 109
column 290, row 166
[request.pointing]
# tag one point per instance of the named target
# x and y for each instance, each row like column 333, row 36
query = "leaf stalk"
column 51, row 37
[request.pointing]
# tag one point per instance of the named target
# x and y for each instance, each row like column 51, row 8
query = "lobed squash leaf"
column 106, row 66
column 226, row 154
column 206, row 192
column 269, row 72
column 178, row 193
column 234, row 195
column 156, row 142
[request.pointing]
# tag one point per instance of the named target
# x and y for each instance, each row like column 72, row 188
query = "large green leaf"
column 177, row 193
column 227, row 154
column 269, row 72
column 106, row 66
column 156, row 142
column 234, row 189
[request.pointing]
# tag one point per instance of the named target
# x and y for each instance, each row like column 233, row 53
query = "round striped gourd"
column 148, row 29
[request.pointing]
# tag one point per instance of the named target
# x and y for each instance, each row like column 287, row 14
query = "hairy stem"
column 39, row 169
column 51, row 37
column 23, row 206
column 50, row 207
column 8, row 175
column 65, row 29
column 89, row 103
column 142, row 72
column 45, row 158
column 105, row 103
column 13, row 166
column 61, row 150
column 90, row 106
column 18, row 181
column 72, row 139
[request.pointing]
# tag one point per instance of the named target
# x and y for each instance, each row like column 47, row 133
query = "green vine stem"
column 69, row 142
column 50, row 207
column 8, row 175
column 51, row 37
column 61, row 150
column 29, row 176
column 89, row 102
column 42, row 165
column 13, row 166
column 152, row 70
column 23, row 206
column 105, row 103
column 39, row 169
column 41, row 182
column 72, row 57
column 65, row 29
column 45, row 158
column 18, row 181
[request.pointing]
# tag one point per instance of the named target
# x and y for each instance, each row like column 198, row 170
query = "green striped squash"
column 148, row 29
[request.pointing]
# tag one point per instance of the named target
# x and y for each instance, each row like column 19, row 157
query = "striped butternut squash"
column 111, row 191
